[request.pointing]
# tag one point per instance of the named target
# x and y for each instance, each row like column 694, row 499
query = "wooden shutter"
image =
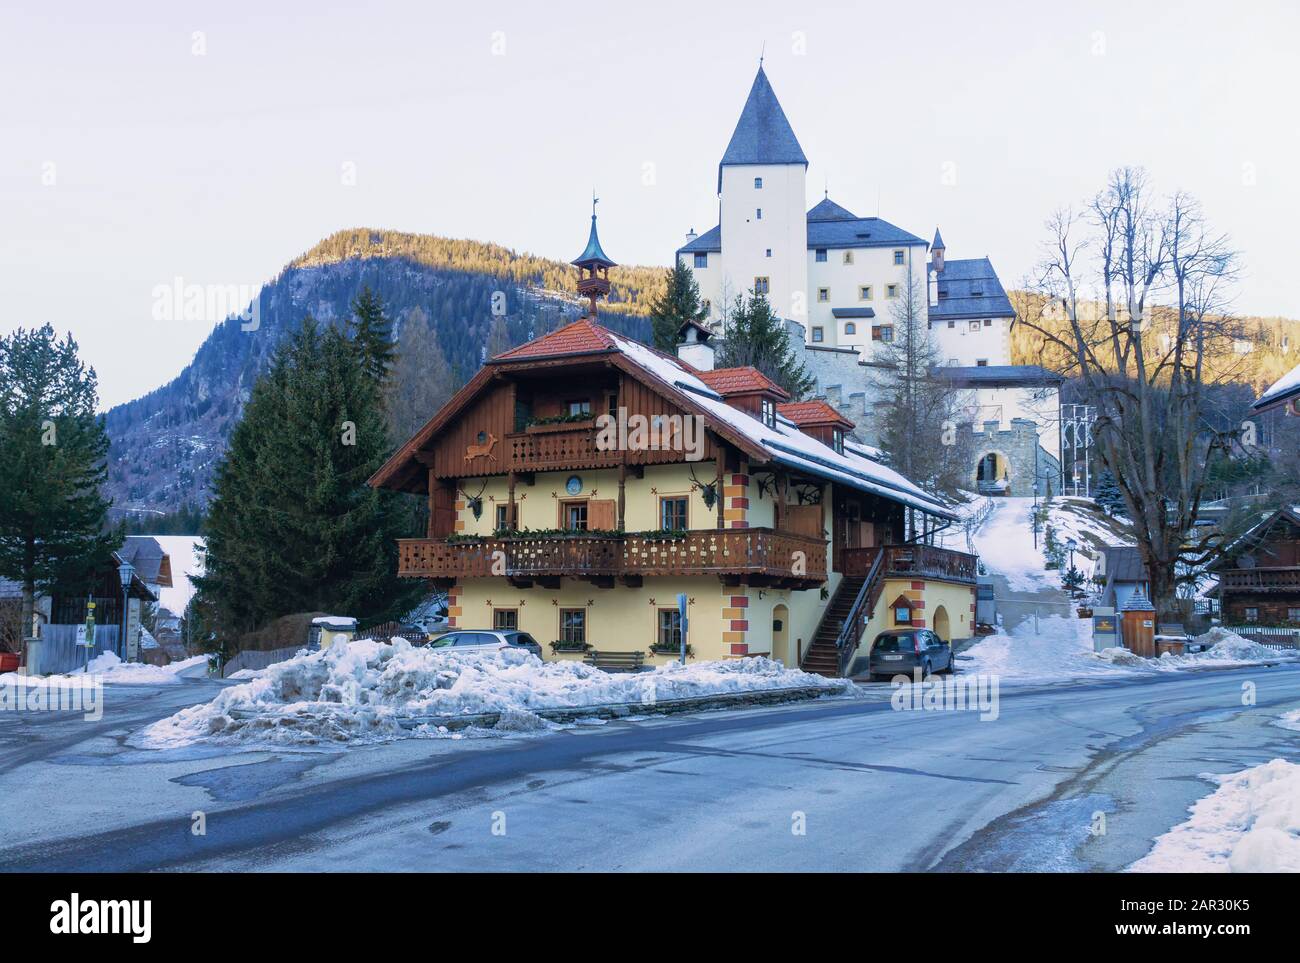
column 602, row 514
column 805, row 520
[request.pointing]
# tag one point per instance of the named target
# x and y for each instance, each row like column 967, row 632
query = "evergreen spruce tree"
column 293, row 526
column 1107, row 495
column 680, row 302
column 756, row 336
column 372, row 332
column 53, row 451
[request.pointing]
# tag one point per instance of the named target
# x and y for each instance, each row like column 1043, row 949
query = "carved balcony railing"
column 559, row 447
column 756, row 555
column 1261, row 579
column 915, row 561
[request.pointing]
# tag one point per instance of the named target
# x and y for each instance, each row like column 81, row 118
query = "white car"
column 486, row 640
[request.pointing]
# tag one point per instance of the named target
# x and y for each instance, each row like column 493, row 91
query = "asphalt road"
column 833, row 785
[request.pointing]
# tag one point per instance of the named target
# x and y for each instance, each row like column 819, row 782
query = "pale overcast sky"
column 140, row 142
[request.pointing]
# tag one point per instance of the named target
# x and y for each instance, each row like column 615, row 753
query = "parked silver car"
column 487, row 640
column 900, row 651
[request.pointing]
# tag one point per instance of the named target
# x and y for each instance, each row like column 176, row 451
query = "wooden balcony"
column 558, row 448
column 1260, row 580
column 755, row 556
column 910, row 561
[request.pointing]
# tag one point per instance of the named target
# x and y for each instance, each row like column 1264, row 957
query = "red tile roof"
column 581, row 337
column 813, row 413
column 735, row 381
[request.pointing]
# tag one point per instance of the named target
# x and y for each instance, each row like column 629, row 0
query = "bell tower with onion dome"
column 593, row 267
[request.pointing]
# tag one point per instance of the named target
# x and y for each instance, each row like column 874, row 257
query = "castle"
column 837, row 279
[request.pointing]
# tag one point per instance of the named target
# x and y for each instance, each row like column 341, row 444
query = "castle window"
column 850, row 327
column 769, row 252
column 818, row 335
column 820, row 255
column 864, row 293
column 768, row 408
column 891, row 290
column 882, row 332
column 758, row 214
column 981, row 362
column 708, row 307
column 758, row 183
column 848, row 257
column 952, row 324
column 898, row 257
column 823, row 294
column 762, row 285
column 701, row 259
column 988, row 322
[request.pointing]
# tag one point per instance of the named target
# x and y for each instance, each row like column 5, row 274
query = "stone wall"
column 1025, row 456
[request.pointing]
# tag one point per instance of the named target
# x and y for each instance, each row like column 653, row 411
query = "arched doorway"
column 781, row 636
column 992, row 474
column 941, row 627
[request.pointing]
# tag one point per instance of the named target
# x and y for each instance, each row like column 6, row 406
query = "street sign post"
column 681, row 612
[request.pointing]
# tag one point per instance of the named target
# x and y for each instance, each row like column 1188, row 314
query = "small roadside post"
column 681, row 612
column 86, row 635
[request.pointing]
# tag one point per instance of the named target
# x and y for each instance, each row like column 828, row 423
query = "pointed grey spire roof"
column 938, row 242
column 828, row 210
column 762, row 135
column 593, row 254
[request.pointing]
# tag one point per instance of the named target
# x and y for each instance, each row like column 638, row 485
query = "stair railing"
column 860, row 613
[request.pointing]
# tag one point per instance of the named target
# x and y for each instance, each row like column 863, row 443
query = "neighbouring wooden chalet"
column 1259, row 578
column 571, row 496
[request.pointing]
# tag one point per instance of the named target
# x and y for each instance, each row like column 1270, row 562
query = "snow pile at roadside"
column 112, row 669
column 1250, row 824
column 1290, row 720
column 362, row 691
column 1061, row 649
column 107, row 668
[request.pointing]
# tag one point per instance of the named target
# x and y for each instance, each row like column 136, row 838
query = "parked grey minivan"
column 900, row 651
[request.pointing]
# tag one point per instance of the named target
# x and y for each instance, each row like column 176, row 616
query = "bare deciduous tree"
column 1135, row 296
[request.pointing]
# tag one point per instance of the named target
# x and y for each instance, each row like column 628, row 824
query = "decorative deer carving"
column 474, row 451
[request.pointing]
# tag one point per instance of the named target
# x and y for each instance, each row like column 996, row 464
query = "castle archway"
column 993, row 473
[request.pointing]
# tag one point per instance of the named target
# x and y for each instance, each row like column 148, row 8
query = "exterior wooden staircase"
column 847, row 613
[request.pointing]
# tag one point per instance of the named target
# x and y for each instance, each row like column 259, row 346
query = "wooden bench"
column 615, row 661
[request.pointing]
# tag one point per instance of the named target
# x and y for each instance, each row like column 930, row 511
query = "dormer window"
column 837, row 440
column 768, row 408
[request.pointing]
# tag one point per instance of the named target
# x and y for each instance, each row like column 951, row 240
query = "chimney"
column 691, row 235
column 695, row 348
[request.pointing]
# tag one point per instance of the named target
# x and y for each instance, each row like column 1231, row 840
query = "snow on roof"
column 1282, row 389
column 787, row 444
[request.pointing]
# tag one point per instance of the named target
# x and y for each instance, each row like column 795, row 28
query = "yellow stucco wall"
column 954, row 600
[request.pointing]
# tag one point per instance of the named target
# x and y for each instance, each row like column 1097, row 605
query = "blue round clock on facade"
column 574, row 485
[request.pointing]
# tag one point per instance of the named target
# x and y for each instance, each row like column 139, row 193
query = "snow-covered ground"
column 109, row 668
column 1061, row 649
column 1005, row 544
column 1250, row 824
column 363, row 691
